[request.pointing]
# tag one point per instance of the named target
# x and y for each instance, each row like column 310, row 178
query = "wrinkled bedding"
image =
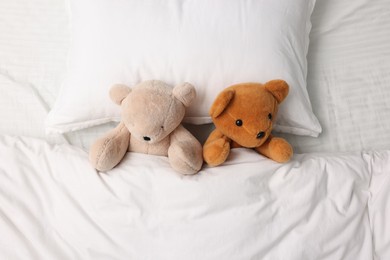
column 54, row 205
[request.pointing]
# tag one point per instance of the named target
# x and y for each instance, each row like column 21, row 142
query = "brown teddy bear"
column 151, row 115
column 243, row 115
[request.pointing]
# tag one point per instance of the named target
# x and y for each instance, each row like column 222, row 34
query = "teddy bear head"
column 152, row 109
column 246, row 112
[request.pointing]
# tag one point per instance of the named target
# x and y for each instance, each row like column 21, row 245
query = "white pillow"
column 209, row 43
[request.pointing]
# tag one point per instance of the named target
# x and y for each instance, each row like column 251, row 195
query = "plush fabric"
column 244, row 115
column 212, row 44
column 151, row 115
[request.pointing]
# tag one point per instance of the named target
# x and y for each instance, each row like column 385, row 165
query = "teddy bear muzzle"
column 151, row 137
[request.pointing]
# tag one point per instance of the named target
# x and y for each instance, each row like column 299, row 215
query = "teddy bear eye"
column 270, row 116
column 239, row 122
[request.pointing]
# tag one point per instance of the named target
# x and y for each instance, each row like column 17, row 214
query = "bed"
column 331, row 201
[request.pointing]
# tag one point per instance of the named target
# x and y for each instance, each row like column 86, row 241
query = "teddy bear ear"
column 221, row 102
column 278, row 88
column 119, row 92
column 185, row 93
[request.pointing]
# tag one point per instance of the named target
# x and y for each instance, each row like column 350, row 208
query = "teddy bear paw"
column 216, row 152
column 280, row 150
column 184, row 159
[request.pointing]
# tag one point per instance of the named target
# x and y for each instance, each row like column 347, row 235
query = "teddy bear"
column 243, row 116
column 151, row 115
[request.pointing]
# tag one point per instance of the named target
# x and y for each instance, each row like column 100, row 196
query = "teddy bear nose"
column 146, row 138
column 260, row 135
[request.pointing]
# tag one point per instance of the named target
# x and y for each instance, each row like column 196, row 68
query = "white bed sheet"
column 379, row 207
column 53, row 205
column 349, row 76
column 34, row 42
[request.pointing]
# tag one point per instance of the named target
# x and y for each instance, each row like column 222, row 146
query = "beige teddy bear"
column 151, row 115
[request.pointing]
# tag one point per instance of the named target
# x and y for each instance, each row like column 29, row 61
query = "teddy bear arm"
column 109, row 150
column 216, row 148
column 185, row 151
column 277, row 149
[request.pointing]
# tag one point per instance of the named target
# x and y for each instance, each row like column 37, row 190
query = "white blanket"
column 54, row 205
